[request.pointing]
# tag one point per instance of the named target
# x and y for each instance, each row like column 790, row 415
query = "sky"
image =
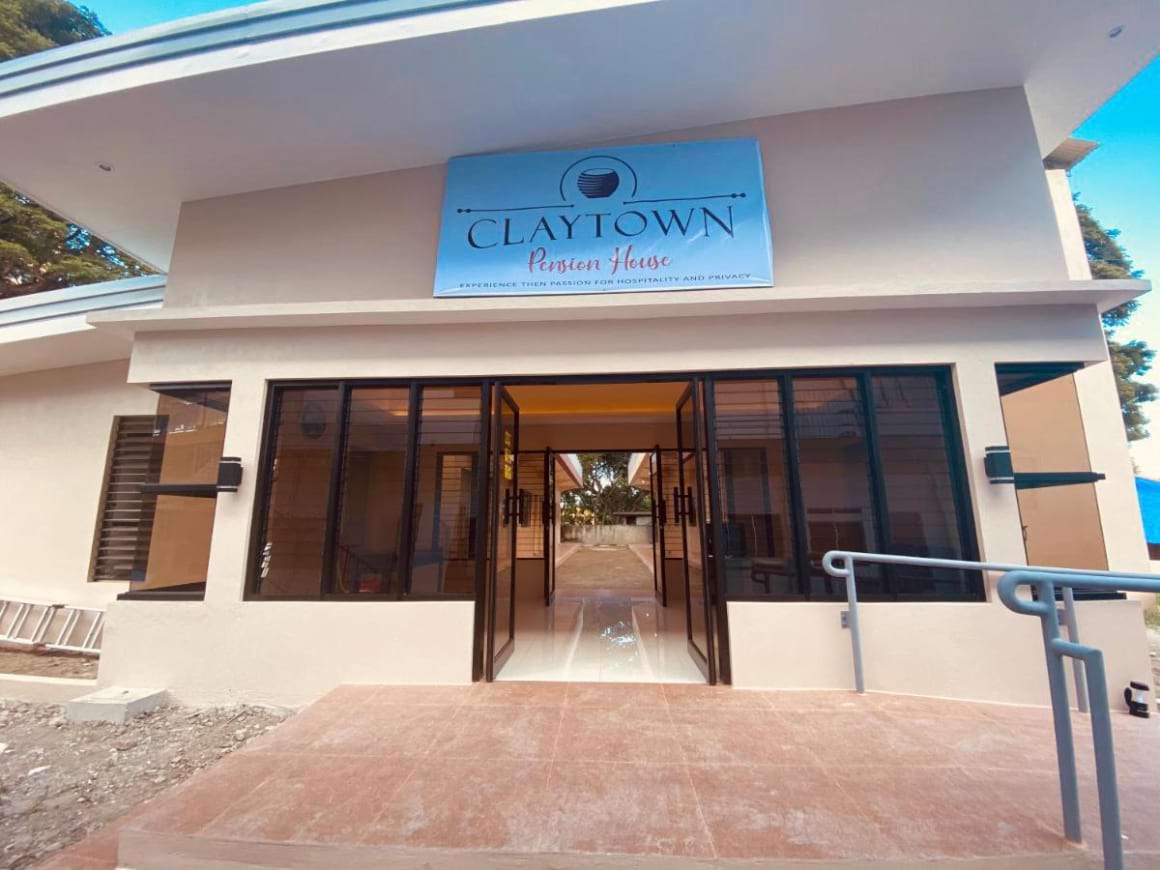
column 1120, row 181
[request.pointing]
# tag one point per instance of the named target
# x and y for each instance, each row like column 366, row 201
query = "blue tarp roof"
column 1148, row 492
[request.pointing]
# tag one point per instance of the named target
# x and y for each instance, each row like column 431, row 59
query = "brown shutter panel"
column 125, row 523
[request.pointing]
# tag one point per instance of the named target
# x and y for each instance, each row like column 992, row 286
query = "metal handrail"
column 1045, row 580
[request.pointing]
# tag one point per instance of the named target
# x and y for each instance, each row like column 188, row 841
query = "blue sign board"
column 676, row 216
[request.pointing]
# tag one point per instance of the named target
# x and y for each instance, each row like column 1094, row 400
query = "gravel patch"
column 61, row 780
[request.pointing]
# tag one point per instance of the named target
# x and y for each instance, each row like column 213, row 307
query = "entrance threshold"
column 604, row 625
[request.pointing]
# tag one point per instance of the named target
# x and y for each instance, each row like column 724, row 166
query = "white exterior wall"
column 273, row 650
column 55, row 427
column 1123, row 528
column 948, row 187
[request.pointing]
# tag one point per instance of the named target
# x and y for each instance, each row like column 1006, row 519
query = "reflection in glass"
column 366, row 552
column 835, row 477
column 692, row 516
column 290, row 555
column 504, row 568
column 190, row 427
column 757, row 536
column 920, row 502
column 444, row 520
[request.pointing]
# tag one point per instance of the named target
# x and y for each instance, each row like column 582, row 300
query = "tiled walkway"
column 605, row 625
column 507, row 774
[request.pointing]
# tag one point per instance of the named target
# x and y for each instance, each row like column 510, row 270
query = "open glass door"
column 505, row 511
column 690, row 503
column 659, row 518
column 549, row 515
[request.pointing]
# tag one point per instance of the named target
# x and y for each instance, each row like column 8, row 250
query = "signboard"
column 676, row 216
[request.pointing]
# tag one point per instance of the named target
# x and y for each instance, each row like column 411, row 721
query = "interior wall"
column 55, row 429
column 578, row 435
column 862, row 180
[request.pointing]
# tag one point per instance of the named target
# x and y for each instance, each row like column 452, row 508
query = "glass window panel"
column 916, row 474
column 444, row 520
column 367, row 548
column 835, row 478
column 294, row 529
column 190, row 426
column 757, row 533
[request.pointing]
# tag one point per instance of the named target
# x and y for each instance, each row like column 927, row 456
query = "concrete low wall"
column 980, row 652
column 43, row 690
column 283, row 653
column 614, row 536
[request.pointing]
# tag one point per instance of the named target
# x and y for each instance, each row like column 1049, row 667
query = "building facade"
column 930, row 301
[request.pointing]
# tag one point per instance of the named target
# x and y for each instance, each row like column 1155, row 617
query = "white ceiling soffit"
column 290, row 92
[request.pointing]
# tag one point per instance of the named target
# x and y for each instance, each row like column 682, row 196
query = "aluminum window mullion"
column 334, row 492
column 794, row 486
column 410, row 473
column 877, row 479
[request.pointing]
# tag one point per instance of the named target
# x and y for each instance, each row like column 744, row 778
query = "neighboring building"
column 1148, row 491
column 397, row 448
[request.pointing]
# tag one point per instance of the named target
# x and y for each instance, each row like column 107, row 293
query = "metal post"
column 1061, row 713
column 1078, row 666
column 855, row 629
column 1092, row 660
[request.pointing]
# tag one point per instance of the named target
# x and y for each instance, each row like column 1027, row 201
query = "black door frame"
column 548, row 514
column 656, row 481
column 692, row 512
column 508, row 505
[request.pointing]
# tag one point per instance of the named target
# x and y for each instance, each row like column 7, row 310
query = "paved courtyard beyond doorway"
column 538, row 775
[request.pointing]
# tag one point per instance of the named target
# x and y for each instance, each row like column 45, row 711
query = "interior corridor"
column 604, row 625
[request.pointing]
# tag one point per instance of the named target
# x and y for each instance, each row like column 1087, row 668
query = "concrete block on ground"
column 113, row 704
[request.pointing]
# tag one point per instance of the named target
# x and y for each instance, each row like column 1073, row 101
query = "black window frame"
column 942, row 375
column 344, row 386
column 155, row 489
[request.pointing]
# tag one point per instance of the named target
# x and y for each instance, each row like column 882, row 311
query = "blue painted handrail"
column 1093, row 689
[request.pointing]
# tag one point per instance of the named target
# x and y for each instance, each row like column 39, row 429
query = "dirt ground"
column 60, row 780
column 41, row 664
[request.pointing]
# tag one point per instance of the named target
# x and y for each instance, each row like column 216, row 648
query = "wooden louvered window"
column 125, row 523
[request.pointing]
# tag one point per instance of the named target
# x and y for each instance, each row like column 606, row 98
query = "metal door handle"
column 690, row 506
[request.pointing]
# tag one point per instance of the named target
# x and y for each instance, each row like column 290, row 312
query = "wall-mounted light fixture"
column 1000, row 469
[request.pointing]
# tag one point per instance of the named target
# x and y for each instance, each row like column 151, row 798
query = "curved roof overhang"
column 290, row 92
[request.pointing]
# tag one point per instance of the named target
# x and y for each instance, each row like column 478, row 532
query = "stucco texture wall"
column 55, row 427
column 945, row 187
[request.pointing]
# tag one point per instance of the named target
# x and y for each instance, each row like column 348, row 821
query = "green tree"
column 606, row 491
column 29, row 26
column 38, row 249
column 1130, row 359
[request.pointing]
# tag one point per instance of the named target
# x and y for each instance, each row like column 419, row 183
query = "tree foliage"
column 1130, row 359
column 606, row 492
column 38, row 249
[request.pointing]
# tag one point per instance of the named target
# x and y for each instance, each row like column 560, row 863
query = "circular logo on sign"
column 598, row 183
column 597, row 177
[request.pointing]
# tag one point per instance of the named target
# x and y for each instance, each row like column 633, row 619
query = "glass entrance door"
column 659, row 510
column 505, row 512
column 691, row 505
column 549, row 515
